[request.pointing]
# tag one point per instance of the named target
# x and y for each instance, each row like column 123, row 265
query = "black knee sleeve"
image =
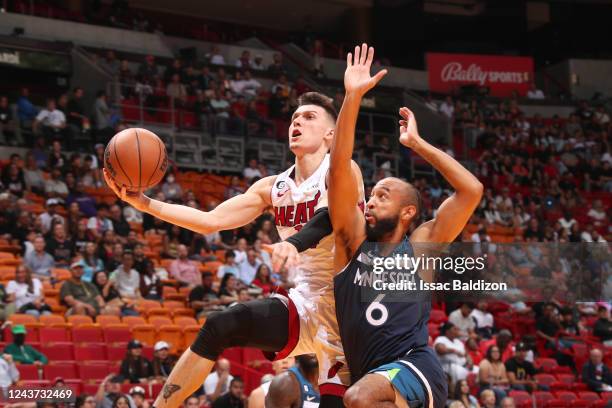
column 220, row 331
column 331, row 401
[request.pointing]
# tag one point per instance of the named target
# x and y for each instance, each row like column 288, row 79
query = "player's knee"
column 220, row 331
column 357, row 397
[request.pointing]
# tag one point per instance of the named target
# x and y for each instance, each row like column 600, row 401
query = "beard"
column 382, row 227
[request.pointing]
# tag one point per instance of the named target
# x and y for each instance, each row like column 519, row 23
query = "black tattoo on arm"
column 170, row 389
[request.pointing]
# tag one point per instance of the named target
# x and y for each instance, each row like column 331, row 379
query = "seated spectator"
column 81, row 298
column 9, row 374
column 471, row 346
column 150, row 283
column 521, row 373
column 228, row 290
column 54, row 186
column 451, row 353
column 171, row 188
column 99, row 223
column 235, row 398
column 78, row 121
column 597, row 214
column 92, row 264
column 163, row 361
column 39, row 261
column 218, row 382
column 234, row 188
column 25, row 108
column 215, row 57
column 267, row 233
column 203, row 299
column 27, row 293
column 138, row 395
column 252, row 170
column 277, row 67
column 596, row 374
column 86, row 203
column 85, row 401
column 176, row 91
column 487, row 398
column 483, row 320
column 51, row 215
column 244, row 62
column 220, row 108
column 492, row 373
column 603, row 326
column 120, row 225
column 103, row 117
column 134, row 367
column 262, row 254
column 463, row 396
column 126, row 277
column 115, row 305
column 248, row 267
column 59, row 246
column 186, row 271
column 13, row 181
column 24, row 353
column 462, row 319
column 110, row 390
column 33, row 176
column 569, row 325
column 250, row 85
column 229, row 265
column 263, row 279
column 507, row 402
column 535, row 93
column 51, row 122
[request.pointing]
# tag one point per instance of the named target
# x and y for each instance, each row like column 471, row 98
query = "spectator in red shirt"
column 263, row 279
column 503, row 341
column 185, row 270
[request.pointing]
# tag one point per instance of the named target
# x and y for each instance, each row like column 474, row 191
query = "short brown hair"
column 318, row 99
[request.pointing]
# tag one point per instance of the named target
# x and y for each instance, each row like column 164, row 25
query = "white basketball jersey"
column 294, row 206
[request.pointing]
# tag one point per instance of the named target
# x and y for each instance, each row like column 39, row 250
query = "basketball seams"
column 156, row 164
column 139, row 160
column 119, row 162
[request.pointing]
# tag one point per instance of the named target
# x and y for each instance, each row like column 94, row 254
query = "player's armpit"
column 284, row 392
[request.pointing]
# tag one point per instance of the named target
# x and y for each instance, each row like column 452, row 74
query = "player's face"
column 382, row 211
column 283, row 365
column 310, row 125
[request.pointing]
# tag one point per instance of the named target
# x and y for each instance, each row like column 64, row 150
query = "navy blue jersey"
column 310, row 397
column 378, row 326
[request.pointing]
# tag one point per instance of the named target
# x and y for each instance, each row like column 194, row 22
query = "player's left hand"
column 357, row 77
column 284, row 254
column 409, row 133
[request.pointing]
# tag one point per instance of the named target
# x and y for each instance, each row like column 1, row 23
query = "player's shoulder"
column 284, row 389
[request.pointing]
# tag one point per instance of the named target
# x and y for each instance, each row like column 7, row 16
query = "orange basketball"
column 136, row 158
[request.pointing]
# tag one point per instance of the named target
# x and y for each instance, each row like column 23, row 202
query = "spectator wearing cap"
column 60, row 246
column 163, row 361
column 138, row 395
column 235, row 398
column 109, row 390
column 185, row 270
column 27, row 293
column 203, row 298
column 451, row 353
column 463, row 320
column 520, row 371
column 9, row 374
column 603, row 326
column 48, row 217
column 21, row 352
column 134, row 367
column 54, row 186
column 100, row 223
column 596, row 374
column 82, row 298
column 217, row 383
column 39, row 261
column 126, row 278
column 87, row 204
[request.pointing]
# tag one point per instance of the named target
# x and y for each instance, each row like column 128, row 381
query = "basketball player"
column 385, row 342
column 303, row 323
column 292, row 387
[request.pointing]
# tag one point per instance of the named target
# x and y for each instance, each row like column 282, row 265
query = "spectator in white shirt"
column 50, row 215
column 451, row 353
column 463, row 321
column 215, row 56
column 217, row 383
column 238, row 84
column 229, row 266
column 127, row 279
column 51, row 120
column 262, row 254
column 55, row 187
column 447, row 108
column 567, row 221
column 27, row 293
column 483, row 319
column 248, row 267
column 100, row 223
column 241, row 250
column 258, row 63
column 602, row 116
column 586, row 235
column 597, row 214
column 8, row 372
column 252, row 170
column 251, row 85
column 39, row 261
column 535, row 93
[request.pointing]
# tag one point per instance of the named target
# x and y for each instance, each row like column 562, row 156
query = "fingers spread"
column 370, row 56
column 357, row 51
column 349, row 59
column 364, row 53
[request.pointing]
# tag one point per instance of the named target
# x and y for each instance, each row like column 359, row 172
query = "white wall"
column 592, row 76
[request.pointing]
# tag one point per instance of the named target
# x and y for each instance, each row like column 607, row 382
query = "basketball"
column 136, row 159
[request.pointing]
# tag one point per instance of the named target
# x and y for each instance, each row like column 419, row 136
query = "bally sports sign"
column 500, row 74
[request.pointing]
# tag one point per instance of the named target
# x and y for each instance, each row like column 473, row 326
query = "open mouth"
column 296, row 133
column 369, row 218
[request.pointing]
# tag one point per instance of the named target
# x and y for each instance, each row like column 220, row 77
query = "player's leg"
column 372, row 391
column 260, row 323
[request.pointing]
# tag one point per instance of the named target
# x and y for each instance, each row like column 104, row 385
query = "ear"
column 329, row 136
column 407, row 214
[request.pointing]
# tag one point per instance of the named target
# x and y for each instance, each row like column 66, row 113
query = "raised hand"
column 357, row 77
column 409, row 133
column 134, row 198
column 284, row 254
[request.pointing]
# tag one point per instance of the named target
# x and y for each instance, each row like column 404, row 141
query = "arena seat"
column 27, row 371
column 19, row 318
column 78, row 320
column 171, row 334
column 58, row 351
column 133, row 320
column 116, row 351
column 158, row 311
column 189, row 335
column 566, row 396
column 546, row 364
column 555, row 403
column 185, row 321
column 145, row 333
column 117, row 333
column 53, row 334
column 159, row 320
column 105, row 320
column 52, row 319
column 589, row 396
column 87, row 334
column 183, row 311
column 65, row 369
column 75, row 385
column 542, row 397
column 546, row 379
column 90, row 351
column 93, row 370
column 522, row 399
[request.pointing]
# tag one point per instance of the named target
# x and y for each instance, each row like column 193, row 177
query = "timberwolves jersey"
column 310, row 398
column 376, row 326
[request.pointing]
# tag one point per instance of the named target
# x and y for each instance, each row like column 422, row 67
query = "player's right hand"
column 357, row 77
column 134, row 198
column 284, row 254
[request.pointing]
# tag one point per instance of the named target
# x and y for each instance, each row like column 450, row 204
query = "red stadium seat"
column 542, row 397
column 58, row 351
column 566, row 396
column 546, row 379
column 566, row 378
column 233, row 354
column 521, row 398
column 87, row 334
column 65, row 369
column 437, row 316
column 145, row 333
column 90, row 351
column 171, row 334
column 93, row 371
column 75, row 385
column 27, row 371
column 555, row 403
column 49, row 320
column 117, row 333
column 546, row 364
column 183, row 321
column 117, row 351
column 589, row 396
column 53, row 334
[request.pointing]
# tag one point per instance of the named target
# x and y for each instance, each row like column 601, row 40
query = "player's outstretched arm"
column 343, row 194
column 232, row 213
column 456, row 210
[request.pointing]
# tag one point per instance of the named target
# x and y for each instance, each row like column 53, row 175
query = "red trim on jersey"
column 294, row 331
column 337, row 390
